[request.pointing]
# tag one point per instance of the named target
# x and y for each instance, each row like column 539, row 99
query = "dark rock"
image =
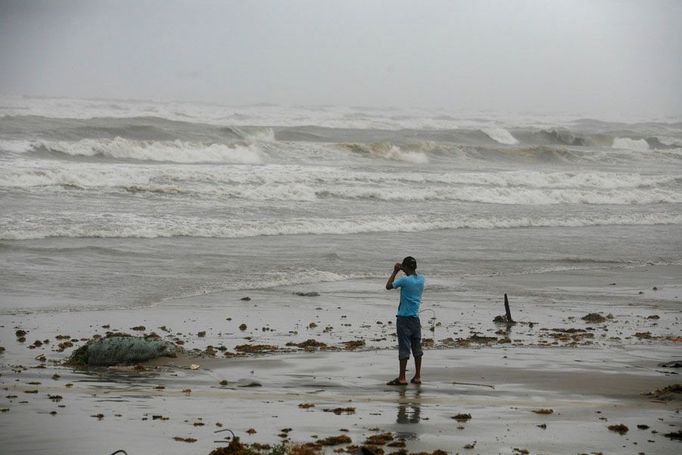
column 120, row 349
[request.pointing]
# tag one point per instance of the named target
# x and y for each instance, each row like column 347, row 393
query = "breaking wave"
column 389, row 151
column 639, row 145
column 500, row 135
column 161, row 151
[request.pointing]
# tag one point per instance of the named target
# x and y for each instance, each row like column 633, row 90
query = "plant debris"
column 593, row 318
column 462, row 417
column 379, row 439
column 339, row 411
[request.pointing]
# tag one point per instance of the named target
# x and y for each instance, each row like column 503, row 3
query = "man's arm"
column 396, row 269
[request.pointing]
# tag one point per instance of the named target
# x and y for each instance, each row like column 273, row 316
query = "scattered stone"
column 306, row 405
column 201, row 334
column 20, row 333
column 594, row 318
column 470, row 446
column 307, row 294
column 139, row 328
column 620, row 428
column 462, row 417
column 672, row 364
column 543, row 411
column 223, row 382
column 242, row 327
column 643, row 427
column 543, row 426
column 251, row 431
column 653, row 316
column 55, row 376
column 245, row 299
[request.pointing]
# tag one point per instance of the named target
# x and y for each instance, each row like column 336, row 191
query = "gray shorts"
column 409, row 331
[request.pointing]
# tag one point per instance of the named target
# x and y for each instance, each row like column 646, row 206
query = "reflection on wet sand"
column 409, row 409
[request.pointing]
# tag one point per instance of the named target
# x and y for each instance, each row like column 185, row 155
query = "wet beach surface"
column 584, row 375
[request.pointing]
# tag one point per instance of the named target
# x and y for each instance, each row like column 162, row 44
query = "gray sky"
column 583, row 56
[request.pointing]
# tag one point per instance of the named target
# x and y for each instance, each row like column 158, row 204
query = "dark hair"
column 410, row 263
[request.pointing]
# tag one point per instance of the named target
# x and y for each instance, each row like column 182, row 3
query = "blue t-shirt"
column 411, row 289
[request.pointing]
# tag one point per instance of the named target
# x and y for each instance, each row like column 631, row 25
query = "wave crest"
column 161, row 151
column 500, row 135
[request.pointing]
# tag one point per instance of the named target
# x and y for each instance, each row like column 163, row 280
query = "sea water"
column 129, row 204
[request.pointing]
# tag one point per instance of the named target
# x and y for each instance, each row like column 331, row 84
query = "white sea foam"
column 128, row 225
column 313, row 183
column 639, row 145
column 500, row 135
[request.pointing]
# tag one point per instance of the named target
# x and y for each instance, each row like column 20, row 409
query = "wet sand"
column 590, row 375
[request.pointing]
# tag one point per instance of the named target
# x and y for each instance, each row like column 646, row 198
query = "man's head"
column 409, row 264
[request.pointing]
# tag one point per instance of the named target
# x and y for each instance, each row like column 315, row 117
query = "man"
column 408, row 326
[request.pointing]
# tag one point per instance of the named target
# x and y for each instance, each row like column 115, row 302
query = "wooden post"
column 506, row 309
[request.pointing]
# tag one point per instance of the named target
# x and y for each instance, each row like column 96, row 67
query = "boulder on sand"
column 118, row 349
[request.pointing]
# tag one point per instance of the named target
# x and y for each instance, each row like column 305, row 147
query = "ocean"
column 132, row 204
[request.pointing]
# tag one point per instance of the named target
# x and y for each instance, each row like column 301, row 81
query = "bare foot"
column 416, row 380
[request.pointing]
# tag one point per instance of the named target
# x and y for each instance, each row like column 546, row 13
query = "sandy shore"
column 590, row 375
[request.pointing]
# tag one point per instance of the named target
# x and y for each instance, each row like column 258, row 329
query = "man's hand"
column 396, row 268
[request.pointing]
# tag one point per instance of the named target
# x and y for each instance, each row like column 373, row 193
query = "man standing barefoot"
column 408, row 326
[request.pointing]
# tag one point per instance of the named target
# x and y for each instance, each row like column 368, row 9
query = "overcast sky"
column 591, row 56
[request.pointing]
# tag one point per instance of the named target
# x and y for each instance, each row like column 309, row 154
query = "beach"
column 239, row 234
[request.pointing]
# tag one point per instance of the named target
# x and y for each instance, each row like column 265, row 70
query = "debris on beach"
column 120, row 348
column 307, row 294
column 306, row 405
column 666, row 393
column 544, row 411
column 335, row 440
column 379, row 439
column 308, row 345
column 339, row 411
column 462, row 417
column 242, row 327
column 674, row 435
column 255, row 348
column 671, row 364
column 139, row 328
column 245, row 299
column 181, row 439
column 470, row 446
column 352, row 345
column 619, row 428
column 594, row 318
